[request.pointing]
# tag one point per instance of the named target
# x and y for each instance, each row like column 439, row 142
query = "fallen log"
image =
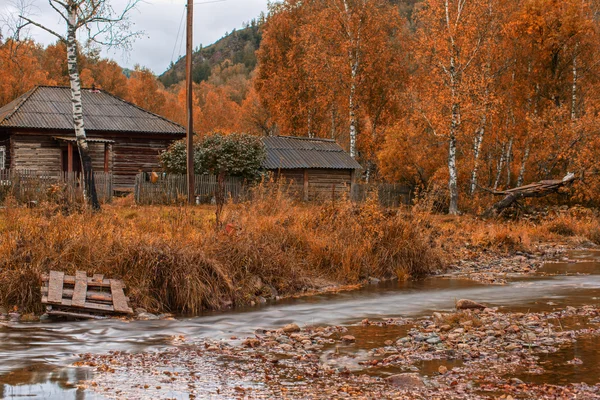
column 538, row 189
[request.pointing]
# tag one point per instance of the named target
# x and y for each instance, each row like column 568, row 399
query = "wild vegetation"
column 173, row 260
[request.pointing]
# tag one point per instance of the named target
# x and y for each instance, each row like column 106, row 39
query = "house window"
column 2, row 157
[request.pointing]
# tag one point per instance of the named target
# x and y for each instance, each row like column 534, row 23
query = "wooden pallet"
column 72, row 295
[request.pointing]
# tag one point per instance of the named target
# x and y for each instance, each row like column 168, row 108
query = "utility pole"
column 190, row 118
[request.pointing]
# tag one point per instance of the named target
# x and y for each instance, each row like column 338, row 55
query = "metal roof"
column 74, row 139
column 50, row 107
column 287, row 152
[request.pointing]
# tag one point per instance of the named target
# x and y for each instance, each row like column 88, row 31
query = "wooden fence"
column 27, row 186
column 172, row 189
column 388, row 194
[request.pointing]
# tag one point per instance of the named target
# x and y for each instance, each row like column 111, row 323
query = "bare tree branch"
column 30, row 22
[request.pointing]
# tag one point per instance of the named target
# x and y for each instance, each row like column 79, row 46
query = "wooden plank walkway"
column 79, row 294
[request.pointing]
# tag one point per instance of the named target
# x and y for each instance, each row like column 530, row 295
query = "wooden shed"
column 319, row 169
column 37, row 135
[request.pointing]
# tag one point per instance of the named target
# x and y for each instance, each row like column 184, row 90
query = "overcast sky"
column 160, row 20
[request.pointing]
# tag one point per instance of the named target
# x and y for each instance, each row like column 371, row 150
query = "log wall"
column 42, row 153
column 323, row 184
column 5, row 142
column 128, row 155
column 132, row 156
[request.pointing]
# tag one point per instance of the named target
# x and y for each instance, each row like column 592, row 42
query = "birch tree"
column 102, row 26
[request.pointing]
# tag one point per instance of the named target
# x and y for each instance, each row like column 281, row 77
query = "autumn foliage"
column 452, row 95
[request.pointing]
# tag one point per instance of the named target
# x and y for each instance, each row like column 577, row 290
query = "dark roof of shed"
column 286, row 152
column 50, row 107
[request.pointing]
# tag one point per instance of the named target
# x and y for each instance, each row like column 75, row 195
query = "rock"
column 348, row 339
column 373, row 280
column 512, row 346
column 291, row 328
column 166, row 316
column 388, row 343
column 261, row 300
column 286, row 347
column 434, row 340
column 3, row 311
column 438, row 316
column 140, row 311
column 252, row 343
column 260, row 331
column 406, row 381
column 442, row 369
column 145, row 316
column 513, row 329
column 466, row 304
column 529, row 337
column 466, row 323
column 29, row 318
column 445, row 328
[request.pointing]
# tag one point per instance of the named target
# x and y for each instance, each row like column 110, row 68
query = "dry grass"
column 173, row 260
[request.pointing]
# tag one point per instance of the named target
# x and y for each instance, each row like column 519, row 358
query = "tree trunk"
column 352, row 106
column 500, row 167
column 523, row 166
column 509, row 158
column 89, row 186
column 354, row 59
column 574, row 90
column 454, row 126
column 476, row 153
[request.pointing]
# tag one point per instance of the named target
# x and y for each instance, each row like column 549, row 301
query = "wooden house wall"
column 134, row 155
column 127, row 155
column 323, row 184
column 43, row 153
column 5, row 142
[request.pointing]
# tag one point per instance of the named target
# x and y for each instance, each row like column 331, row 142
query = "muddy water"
column 34, row 357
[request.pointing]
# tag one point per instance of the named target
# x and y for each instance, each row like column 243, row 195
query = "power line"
column 177, row 37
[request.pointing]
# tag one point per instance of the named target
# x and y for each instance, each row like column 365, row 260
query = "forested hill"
column 238, row 46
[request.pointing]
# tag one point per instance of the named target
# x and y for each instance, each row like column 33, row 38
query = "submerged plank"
column 119, row 299
column 79, row 293
column 55, row 287
column 74, row 315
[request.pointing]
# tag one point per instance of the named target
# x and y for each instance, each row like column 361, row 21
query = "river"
column 35, row 359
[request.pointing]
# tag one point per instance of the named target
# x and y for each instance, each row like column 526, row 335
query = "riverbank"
column 173, row 260
column 459, row 355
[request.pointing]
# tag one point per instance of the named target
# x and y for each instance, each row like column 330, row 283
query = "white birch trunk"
column 454, row 123
column 354, row 59
column 477, row 152
column 523, row 166
column 509, row 162
column 89, row 187
column 574, row 91
column 500, row 167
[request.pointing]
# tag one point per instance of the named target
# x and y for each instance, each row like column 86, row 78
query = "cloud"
column 160, row 20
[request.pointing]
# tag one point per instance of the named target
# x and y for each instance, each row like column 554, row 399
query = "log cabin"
column 37, row 134
column 316, row 169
